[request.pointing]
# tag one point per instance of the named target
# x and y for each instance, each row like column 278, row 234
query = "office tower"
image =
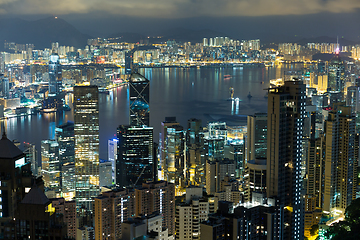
column 214, row 147
column 315, row 168
column 157, row 197
column 55, row 75
column 190, row 213
column 135, row 163
column 218, row 129
column 174, row 162
column 237, row 151
column 336, row 74
column 129, row 62
column 255, row 180
column 36, row 218
column 86, row 131
column 257, row 136
column 105, row 173
column 216, row 171
column 68, row 210
column 195, row 161
column 51, row 168
column 31, row 157
column 68, row 181
column 16, row 180
column 112, row 156
column 340, row 160
column 286, row 111
column 112, row 208
column 64, row 135
column 169, row 122
column 139, row 100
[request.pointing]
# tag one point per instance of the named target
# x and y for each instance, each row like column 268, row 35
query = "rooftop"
column 8, row 150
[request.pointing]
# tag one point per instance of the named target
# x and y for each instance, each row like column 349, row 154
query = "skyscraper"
column 31, row 156
column 340, row 160
column 195, row 161
column 55, row 75
column 112, row 155
column 139, row 100
column 336, row 74
column 135, row 163
column 257, row 135
column 86, row 130
column 286, row 111
column 51, row 168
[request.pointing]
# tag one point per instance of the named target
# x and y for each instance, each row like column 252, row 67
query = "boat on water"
column 249, row 95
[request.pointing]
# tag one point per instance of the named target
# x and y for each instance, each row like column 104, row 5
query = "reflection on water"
column 185, row 93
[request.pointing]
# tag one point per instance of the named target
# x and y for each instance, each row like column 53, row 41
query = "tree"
column 349, row 228
column 314, row 230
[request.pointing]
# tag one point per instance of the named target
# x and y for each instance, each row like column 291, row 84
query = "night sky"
column 236, row 18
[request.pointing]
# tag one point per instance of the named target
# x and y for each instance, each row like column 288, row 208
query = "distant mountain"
column 177, row 34
column 41, row 33
column 325, row 39
column 126, row 37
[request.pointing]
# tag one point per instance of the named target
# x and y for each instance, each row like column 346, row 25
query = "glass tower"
column 139, row 100
column 86, row 130
column 135, row 163
column 51, row 168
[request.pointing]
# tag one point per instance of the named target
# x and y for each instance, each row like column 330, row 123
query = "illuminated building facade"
column 139, row 108
column 112, row 156
column 195, row 160
column 257, row 136
column 336, row 74
column 174, row 163
column 51, row 168
column 340, row 160
column 86, row 130
column 112, row 208
column 135, row 162
column 286, row 113
column 157, row 197
column 216, row 171
column 214, row 147
column 31, row 156
column 55, row 75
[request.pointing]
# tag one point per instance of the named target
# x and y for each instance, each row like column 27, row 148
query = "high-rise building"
column 190, row 213
column 157, row 197
column 55, row 75
column 105, row 173
column 340, row 160
column 51, row 168
column 336, row 74
column 31, row 157
column 135, row 162
column 237, row 151
column 195, row 160
column 257, row 136
column 37, row 219
column 286, row 113
column 68, row 210
column 216, row 171
column 174, row 162
column 68, row 181
column 86, row 131
column 16, row 180
column 139, row 100
column 112, row 208
column 255, row 180
column 214, row 147
column 169, row 122
column 64, row 135
column 112, row 155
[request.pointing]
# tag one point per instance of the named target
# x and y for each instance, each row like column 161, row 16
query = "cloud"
column 178, row 8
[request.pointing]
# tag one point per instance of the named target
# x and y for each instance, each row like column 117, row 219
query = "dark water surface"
column 184, row 93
